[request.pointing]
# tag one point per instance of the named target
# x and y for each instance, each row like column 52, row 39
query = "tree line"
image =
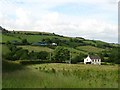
column 60, row 54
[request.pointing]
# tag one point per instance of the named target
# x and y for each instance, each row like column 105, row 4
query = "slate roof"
column 94, row 57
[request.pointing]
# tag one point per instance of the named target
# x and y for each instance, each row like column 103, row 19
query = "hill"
column 76, row 45
column 3, row 30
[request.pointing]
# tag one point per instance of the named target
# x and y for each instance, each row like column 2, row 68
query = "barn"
column 92, row 59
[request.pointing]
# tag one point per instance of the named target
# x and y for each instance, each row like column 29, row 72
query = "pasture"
column 36, row 48
column 90, row 49
column 56, row 75
column 6, row 38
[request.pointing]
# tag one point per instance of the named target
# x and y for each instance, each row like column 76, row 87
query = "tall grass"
column 62, row 76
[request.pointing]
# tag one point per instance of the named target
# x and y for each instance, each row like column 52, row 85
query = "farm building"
column 54, row 44
column 92, row 59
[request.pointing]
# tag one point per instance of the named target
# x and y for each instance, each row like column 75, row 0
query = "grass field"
column 6, row 38
column 36, row 48
column 37, row 38
column 90, row 49
column 5, row 49
column 60, row 76
column 73, row 51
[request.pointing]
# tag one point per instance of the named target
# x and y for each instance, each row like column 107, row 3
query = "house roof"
column 94, row 57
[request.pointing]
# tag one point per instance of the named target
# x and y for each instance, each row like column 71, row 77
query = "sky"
column 90, row 19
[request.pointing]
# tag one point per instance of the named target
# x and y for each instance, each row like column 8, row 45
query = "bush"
column 61, row 54
column 25, row 42
column 43, row 55
column 78, row 58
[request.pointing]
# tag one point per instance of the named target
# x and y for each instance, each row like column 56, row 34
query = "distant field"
column 6, row 38
column 75, row 52
column 37, row 38
column 39, row 48
column 60, row 76
column 30, row 38
column 90, row 49
column 4, row 49
column 36, row 48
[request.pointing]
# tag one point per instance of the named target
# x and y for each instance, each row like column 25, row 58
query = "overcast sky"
column 91, row 19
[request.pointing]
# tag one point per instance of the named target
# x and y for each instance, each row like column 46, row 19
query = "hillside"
column 3, row 30
column 76, row 45
column 51, row 37
column 44, row 57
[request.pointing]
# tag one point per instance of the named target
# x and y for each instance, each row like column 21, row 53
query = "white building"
column 54, row 44
column 92, row 60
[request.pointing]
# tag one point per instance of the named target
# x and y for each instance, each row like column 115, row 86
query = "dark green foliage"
column 47, row 40
column 17, row 53
column 78, row 58
column 25, row 42
column 38, row 55
column 114, row 55
column 32, row 55
column 43, row 55
column 61, row 54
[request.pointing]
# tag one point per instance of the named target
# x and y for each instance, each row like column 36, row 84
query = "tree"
column 25, row 42
column 24, row 55
column 78, row 58
column 43, row 55
column 114, row 56
column 21, row 54
column 61, row 54
column 33, row 55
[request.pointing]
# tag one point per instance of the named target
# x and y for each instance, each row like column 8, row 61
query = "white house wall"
column 95, row 61
column 87, row 60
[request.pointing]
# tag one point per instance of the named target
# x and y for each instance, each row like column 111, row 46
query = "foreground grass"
column 62, row 76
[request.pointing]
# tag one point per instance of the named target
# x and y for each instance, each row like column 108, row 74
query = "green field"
column 5, row 49
column 36, row 48
column 6, row 38
column 37, row 38
column 90, row 49
column 59, row 76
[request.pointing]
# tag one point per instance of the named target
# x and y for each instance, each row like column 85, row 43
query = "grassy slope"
column 6, row 38
column 63, row 76
column 37, row 38
column 5, row 49
column 90, row 49
column 36, row 48
column 73, row 51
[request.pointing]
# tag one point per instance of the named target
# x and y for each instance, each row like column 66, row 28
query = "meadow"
column 56, row 75
column 36, row 48
column 90, row 49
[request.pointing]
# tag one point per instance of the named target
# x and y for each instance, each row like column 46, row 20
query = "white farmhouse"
column 54, row 44
column 92, row 60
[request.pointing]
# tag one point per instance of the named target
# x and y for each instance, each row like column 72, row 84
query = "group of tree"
column 78, row 58
column 61, row 54
column 17, row 53
column 114, row 55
